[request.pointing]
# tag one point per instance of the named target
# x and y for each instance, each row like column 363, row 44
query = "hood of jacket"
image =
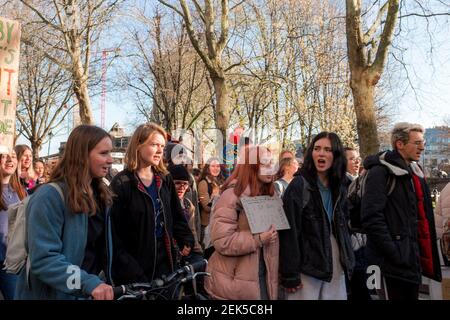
column 394, row 162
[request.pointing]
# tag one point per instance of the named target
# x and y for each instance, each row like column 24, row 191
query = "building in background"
column 120, row 144
column 436, row 158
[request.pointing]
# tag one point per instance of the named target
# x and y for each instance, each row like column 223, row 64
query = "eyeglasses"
column 418, row 143
column 355, row 159
column 181, row 184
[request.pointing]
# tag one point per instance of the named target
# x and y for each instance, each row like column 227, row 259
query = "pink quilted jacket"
column 442, row 211
column 234, row 265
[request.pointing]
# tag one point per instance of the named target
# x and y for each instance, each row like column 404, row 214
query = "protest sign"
column 263, row 211
column 9, row 71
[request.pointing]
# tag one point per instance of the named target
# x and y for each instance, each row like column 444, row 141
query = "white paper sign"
column 263, row 211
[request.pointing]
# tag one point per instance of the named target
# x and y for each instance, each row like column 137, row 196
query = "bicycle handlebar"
column 139, row 289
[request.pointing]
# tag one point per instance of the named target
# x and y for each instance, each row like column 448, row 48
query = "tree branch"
column 224, row 27
column 355, row 43
column 386, row 37
column 200, row 11
column 369, row 34
column 44, row 19
column 425, row 15
column 171, row 7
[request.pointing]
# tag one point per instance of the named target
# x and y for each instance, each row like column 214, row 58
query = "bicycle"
column 169, row 287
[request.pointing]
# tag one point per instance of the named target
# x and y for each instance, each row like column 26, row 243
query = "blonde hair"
column 284, row 163
column 140, row 136
column 14, row 183
column 74, row 169
column 20, row 150
column 401, row 132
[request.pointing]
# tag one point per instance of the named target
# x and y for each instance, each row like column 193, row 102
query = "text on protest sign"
column 263, row 211
column 9, row 70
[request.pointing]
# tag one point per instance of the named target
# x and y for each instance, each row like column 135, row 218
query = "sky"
column 426, row 55
column 428, row 64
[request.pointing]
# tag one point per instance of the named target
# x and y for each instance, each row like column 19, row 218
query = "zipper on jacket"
column 165, row 228
column 331, row 224
column 154, row 233
column 334, row 216
column 107, row 239
column 338, row 240
column 324, row 212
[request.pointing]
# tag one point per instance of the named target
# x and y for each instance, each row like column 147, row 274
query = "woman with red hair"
column 244, row 266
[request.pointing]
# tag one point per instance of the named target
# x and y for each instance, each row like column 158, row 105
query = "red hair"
column 246, row 174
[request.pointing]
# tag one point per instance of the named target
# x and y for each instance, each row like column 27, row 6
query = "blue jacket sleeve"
column 45, row 225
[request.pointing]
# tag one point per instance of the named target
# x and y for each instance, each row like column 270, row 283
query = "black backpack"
column 355, row 193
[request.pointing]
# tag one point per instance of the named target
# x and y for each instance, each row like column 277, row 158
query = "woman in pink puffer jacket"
column 442, row 211
column 244, row 266
column 442, row 218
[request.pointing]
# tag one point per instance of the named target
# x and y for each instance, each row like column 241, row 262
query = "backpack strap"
column 390, row 184
column 59, row 189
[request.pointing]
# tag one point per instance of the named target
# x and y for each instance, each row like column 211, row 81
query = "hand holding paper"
column 264, row 211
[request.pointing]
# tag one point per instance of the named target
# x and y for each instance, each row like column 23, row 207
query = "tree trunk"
column 81, row 92
column 363, row 91
column 36, row 147
column 222, row 111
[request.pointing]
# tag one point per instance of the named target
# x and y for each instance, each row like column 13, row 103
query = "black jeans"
column 358, row 286
column 401, row 290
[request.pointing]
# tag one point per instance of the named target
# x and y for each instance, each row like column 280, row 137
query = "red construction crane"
column 104, row 67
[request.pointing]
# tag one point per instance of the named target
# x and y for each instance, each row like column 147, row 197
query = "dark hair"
column 38, row 160
column 196, row 172
column 336, row 173
column 74, row 169
column 219, row 180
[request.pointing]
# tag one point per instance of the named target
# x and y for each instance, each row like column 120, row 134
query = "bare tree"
column 367, row 66
column 296, row 81
column 71, row 28
column 368, row 53
column 167, row 76
column 210, row 49
column 43, row 95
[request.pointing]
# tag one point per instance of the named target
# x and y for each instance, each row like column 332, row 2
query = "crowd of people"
column 160, row 213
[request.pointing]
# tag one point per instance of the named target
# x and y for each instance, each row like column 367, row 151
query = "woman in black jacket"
column 149, row 229
column 316, row 251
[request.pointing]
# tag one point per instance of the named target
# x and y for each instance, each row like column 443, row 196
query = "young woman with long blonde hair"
column 148, row 221
column 25, row 166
